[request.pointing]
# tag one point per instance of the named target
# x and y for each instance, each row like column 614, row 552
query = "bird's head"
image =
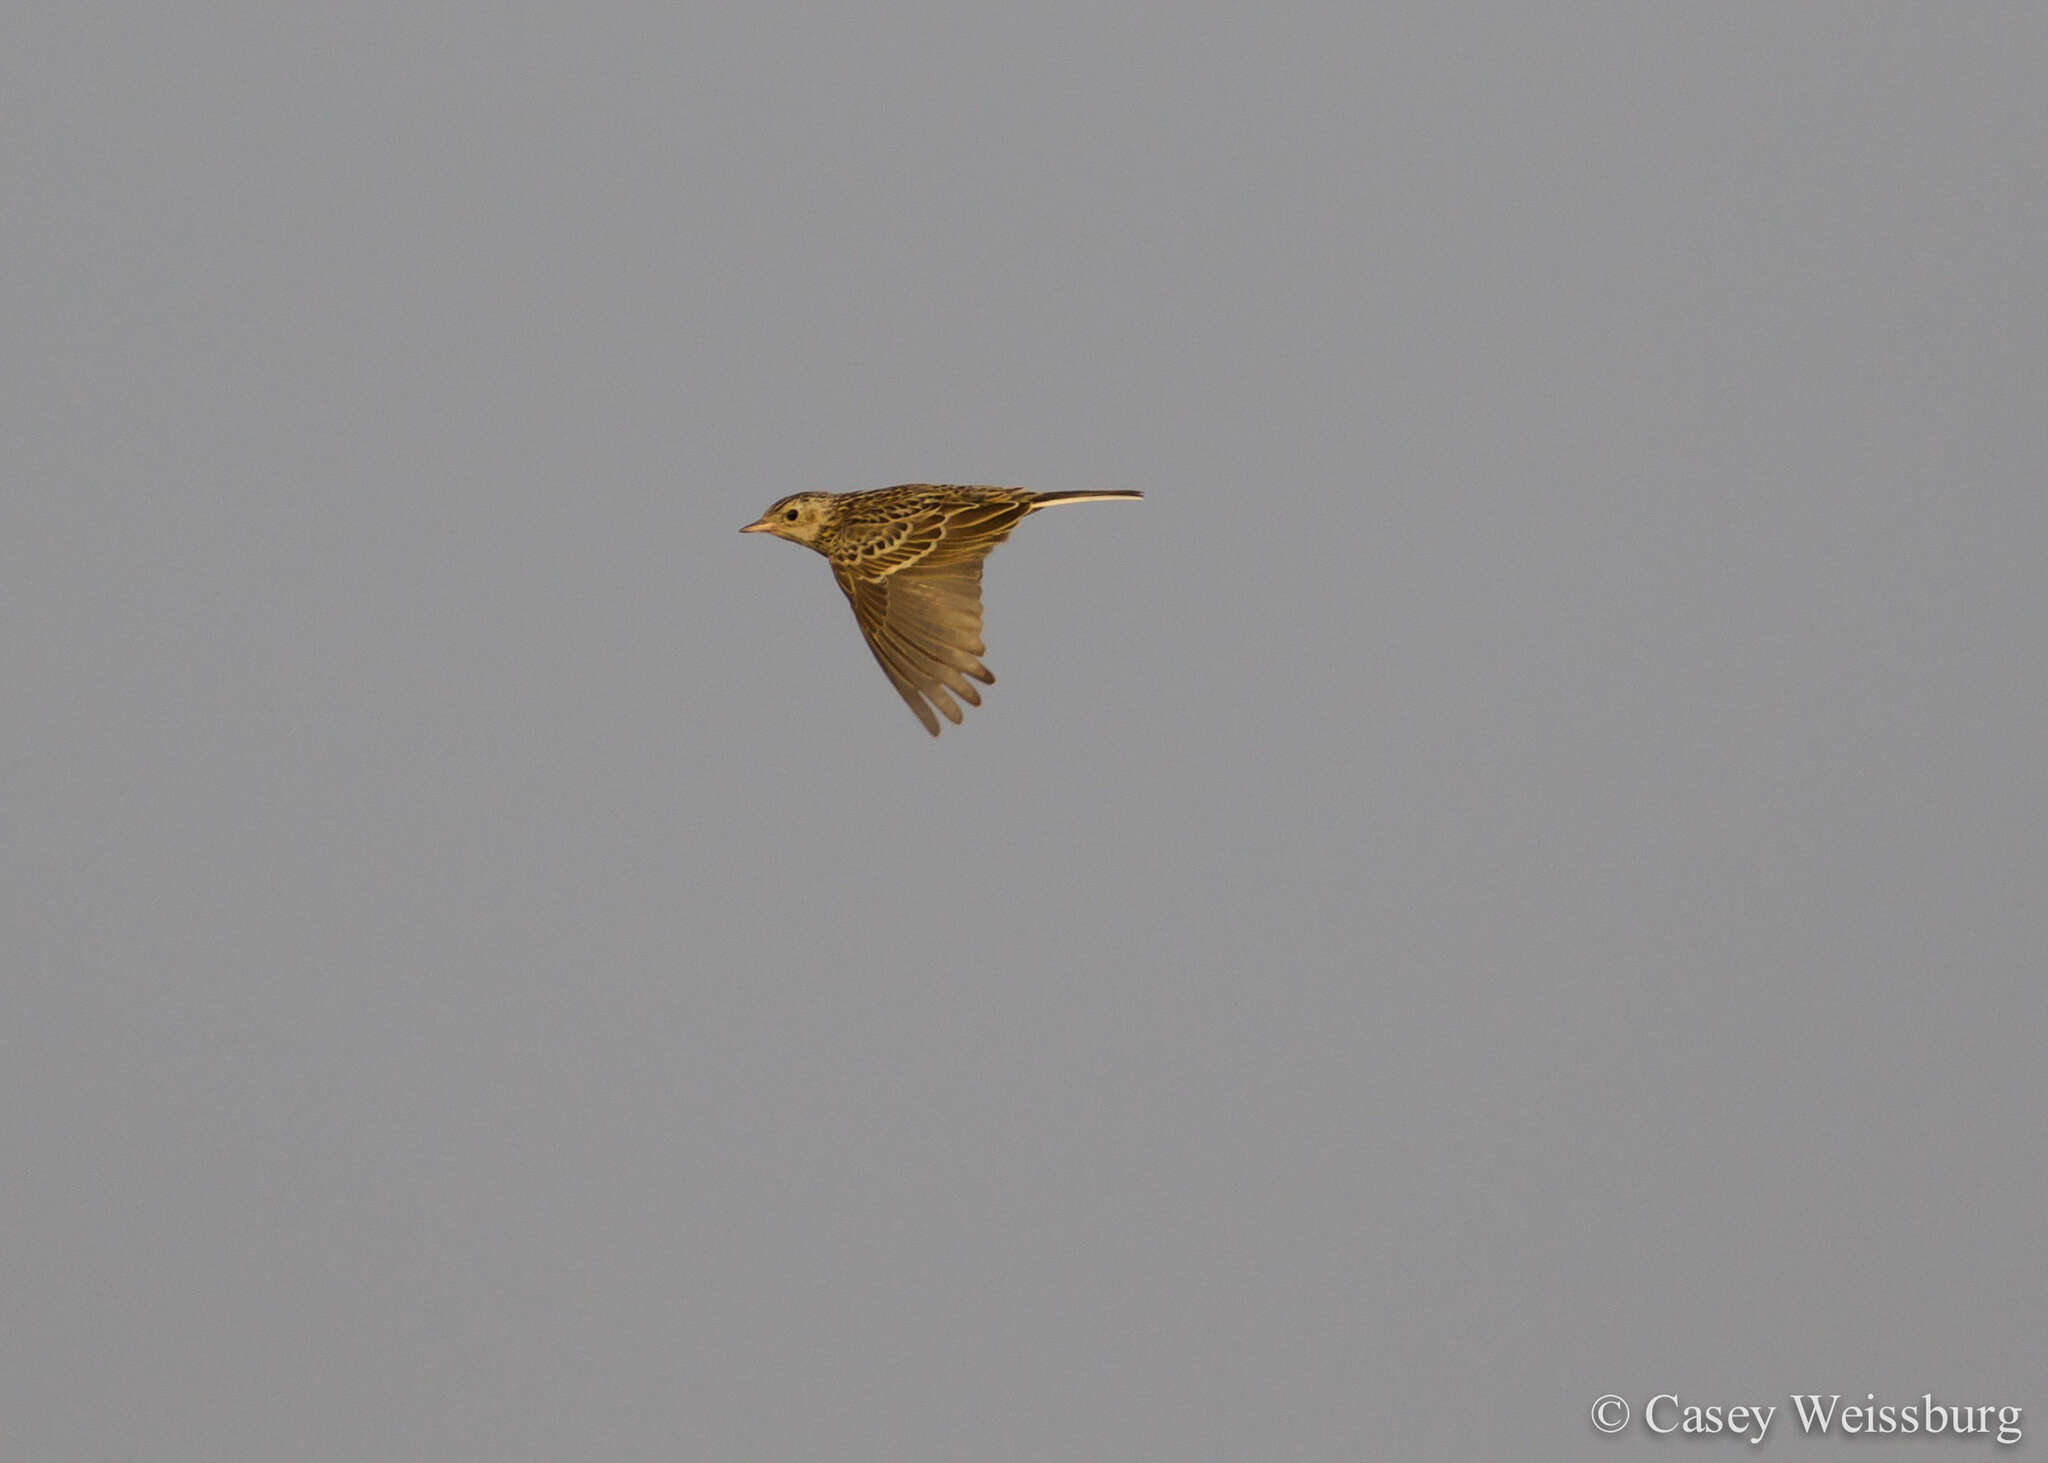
column 800, row 518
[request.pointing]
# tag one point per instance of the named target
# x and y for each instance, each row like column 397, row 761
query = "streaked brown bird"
column 909, row 559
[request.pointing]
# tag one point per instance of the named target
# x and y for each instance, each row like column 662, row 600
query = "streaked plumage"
column 909, row 559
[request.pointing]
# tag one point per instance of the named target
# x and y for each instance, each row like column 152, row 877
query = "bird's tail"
column 1047, row 500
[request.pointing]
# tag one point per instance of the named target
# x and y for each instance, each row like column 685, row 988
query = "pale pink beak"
column 760, row 527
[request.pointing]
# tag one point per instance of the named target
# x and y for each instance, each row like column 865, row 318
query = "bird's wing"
column 928, row 530
column 923, row 623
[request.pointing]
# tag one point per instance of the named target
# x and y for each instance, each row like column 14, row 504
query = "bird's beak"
column 759, row 525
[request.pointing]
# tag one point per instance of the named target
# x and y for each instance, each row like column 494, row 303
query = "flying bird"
column 909, row 559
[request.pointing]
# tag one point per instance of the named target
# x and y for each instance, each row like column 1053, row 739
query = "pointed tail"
column 1047, row 500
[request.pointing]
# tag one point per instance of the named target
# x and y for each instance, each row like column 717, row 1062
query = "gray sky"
column 1515, row 874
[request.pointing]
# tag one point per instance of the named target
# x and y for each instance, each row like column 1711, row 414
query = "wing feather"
column 924, row 627
column 970, row 531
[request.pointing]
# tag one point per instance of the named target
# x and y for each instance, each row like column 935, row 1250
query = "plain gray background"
column 1515, row 874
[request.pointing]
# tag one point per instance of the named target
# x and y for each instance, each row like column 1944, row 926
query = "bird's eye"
column 789, row 514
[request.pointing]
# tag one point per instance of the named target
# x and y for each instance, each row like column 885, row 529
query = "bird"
column 909, row 560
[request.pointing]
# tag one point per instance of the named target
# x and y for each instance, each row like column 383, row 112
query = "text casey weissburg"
column 1828, row 1415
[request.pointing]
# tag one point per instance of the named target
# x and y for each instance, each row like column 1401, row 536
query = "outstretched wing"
column 914, row 577
column 923, row 623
